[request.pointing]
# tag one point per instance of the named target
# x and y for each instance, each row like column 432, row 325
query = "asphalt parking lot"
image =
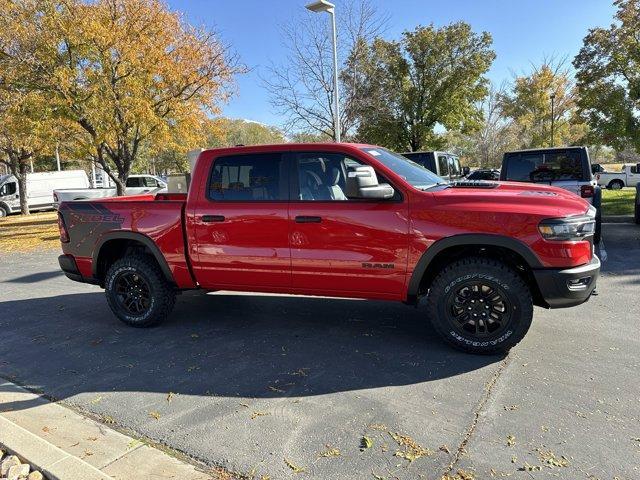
column 274, row 385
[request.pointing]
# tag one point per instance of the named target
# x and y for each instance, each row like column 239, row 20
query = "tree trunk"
column 22, row 187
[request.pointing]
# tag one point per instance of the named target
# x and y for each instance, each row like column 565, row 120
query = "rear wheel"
column 480, row 305
column 3, row 211
column 616, row 184
column 137, row 291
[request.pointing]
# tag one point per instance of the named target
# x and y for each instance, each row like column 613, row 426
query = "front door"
column 347, row 246
column 242, row 225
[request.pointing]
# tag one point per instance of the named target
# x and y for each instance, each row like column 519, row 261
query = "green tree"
column 432, row 76
column 528, row 104
column 231, row 132
column 608, row 75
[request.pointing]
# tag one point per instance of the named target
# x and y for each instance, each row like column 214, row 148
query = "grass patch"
column 618, row 202
column 26, row 233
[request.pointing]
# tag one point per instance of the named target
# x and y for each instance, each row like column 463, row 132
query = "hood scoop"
column 474, row 184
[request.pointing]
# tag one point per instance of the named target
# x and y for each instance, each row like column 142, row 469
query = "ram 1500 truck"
column 343, row 220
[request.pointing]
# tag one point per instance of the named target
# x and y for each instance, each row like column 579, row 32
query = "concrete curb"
column 65, row 445
column 52, row 461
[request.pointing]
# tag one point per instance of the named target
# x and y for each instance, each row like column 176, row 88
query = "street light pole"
column 324, row 6
column 553, row 97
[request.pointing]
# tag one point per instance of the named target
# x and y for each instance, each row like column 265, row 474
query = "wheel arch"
column 449, row 249
column 114, row 245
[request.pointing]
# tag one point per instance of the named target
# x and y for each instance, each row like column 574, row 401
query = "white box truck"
column 40, row 187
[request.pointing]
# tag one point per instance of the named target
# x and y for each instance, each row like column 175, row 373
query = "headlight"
column 568, row 229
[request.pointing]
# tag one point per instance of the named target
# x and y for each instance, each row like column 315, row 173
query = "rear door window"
column 253, row 177
column 134, row 182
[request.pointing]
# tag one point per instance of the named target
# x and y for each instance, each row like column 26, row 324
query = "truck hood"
column 513, row 197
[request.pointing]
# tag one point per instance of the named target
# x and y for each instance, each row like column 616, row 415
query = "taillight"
column 64, row 235
column 587, row 191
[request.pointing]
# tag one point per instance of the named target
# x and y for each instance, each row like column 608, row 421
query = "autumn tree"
column 608, row 76
column 129, row 73
column 528, row 104
column 25, row 132
column 431, row 76
column 301, row 89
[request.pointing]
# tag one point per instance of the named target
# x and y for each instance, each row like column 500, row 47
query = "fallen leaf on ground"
column 511, row 440
column 411, row 449
column 274, row 389
column 155, row 415
column 259, row 414
column 365, row 442
column 170, row 397
column 445, row 449
column 293, row 466
column 548, row 457
column 98, row 399
column 330, row 452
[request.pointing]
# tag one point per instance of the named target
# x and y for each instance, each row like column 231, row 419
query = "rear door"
column 347, row 246
column 242, row 224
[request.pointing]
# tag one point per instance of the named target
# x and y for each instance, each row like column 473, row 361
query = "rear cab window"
column 249, row 178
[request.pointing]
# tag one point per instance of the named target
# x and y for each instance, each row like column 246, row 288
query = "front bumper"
column 568, row 288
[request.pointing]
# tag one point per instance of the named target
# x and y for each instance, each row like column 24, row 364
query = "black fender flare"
column 138, row 237
column 467, row 239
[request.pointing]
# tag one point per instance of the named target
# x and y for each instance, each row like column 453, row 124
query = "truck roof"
column 290, row 146
column 545, row 149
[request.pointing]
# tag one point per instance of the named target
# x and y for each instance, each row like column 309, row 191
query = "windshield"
column 416, row 175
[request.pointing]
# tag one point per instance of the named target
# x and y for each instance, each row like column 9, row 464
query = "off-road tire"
column 495, row 274
column 162, row 295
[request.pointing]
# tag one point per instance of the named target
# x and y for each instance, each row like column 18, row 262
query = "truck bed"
column 157, row 221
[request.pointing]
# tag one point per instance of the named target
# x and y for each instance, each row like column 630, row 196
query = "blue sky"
column 524, row 31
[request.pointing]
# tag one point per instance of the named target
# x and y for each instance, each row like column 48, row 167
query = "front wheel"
column 137, row 291
column 480, row 305
column 3, row 212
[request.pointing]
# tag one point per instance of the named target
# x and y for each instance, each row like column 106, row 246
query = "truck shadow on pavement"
column 229, row 345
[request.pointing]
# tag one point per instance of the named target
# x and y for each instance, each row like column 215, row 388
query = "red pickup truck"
column 344, row 220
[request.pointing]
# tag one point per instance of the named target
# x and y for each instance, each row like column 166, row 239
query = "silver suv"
column 564, row 167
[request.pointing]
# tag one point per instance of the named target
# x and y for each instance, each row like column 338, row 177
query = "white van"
column 40, row 187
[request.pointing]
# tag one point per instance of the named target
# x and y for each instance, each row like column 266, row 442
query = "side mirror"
column 362, row 182
column 466, row 171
